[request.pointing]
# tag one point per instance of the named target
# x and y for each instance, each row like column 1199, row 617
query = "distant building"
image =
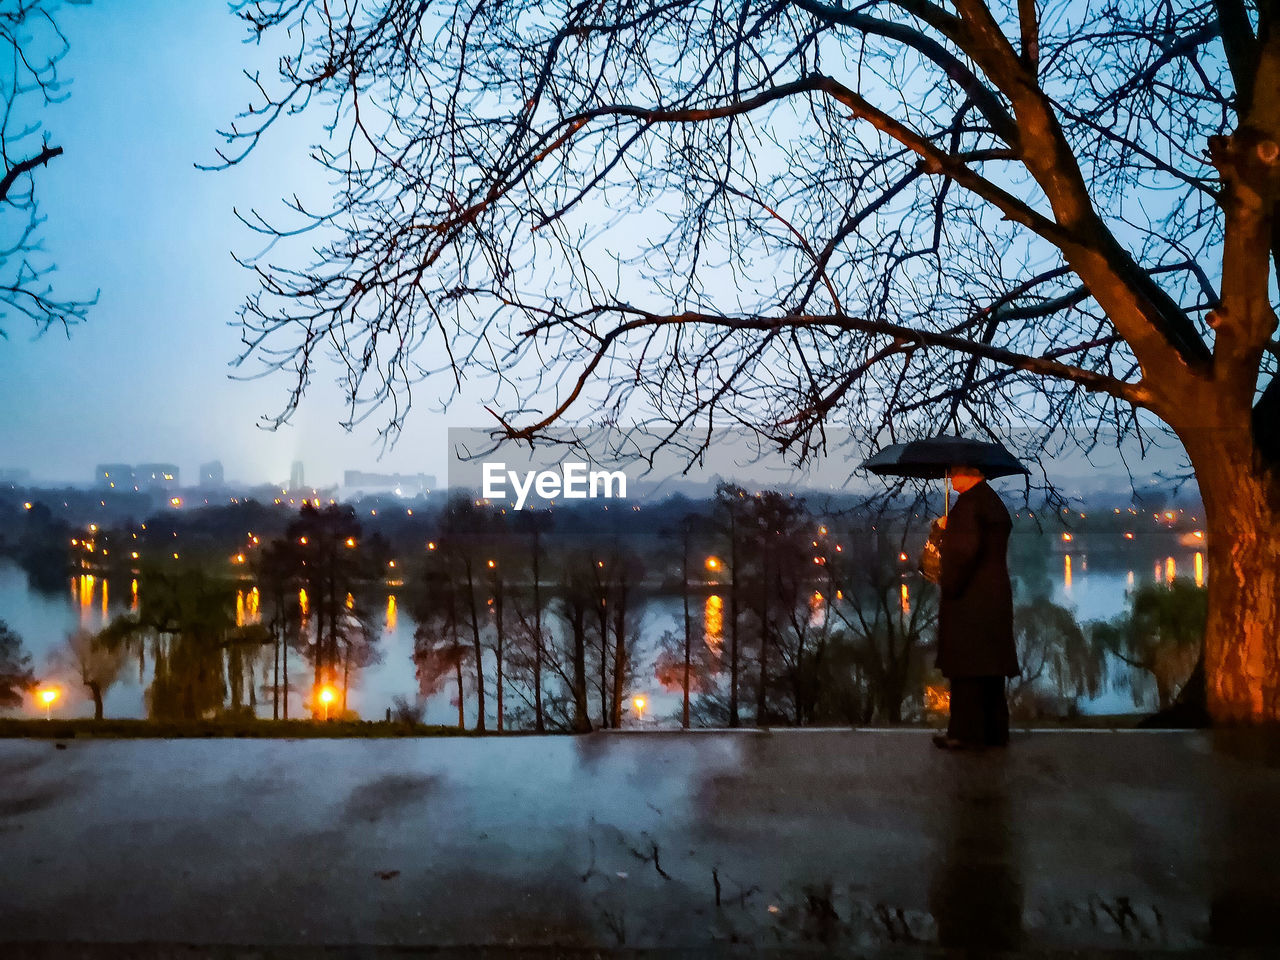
column 16, row 476
column 297, row 479
column 401, row 484
column 115, row 476
column 211, row 474
column 156, row 476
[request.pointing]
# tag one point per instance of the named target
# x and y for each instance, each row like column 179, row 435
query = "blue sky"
column 147, row 378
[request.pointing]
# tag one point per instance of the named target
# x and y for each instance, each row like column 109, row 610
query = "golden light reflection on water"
column 906, row 599
column 1199, row 569
column 106, row 617
column 1066, row 573
column 713, row 621
column 133, row 596
column 86, row 598
column 239, row 608
column 302, row 601
column 391, row 613
column 1170, row 570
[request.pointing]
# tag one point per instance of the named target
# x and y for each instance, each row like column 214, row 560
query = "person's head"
column 964, row 477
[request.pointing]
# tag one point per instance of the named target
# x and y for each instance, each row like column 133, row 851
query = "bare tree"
column 32, row 49
column 1020, row 220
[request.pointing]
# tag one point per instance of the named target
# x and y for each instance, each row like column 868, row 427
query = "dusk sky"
column 147, row 378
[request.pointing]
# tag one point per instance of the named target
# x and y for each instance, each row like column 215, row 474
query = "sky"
column 148, row 377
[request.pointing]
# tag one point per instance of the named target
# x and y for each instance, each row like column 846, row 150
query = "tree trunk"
column 1242, row 635
column 578, row 628
column 476, row 646
column 762, row 687
column 497, row 649
column 275, row 666
column 688, row 630
column 457, row 663
column 733, row 620
column 96, row 691
column 284, row 665
column 619, row 651
column 538, row 723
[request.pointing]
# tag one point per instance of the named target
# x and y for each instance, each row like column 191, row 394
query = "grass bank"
column 120, row 729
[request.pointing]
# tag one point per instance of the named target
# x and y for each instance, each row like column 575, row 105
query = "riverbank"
column 258, row 729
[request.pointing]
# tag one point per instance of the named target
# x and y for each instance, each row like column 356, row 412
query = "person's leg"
column 995, row 712
column 966, row 723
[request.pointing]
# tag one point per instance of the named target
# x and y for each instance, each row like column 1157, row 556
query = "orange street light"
column 47, row 696
column 351, row 542
column 431, row 544
column 1067, row 538
column 713, row 563
column 327, row 696
column 492, row 564
column 639, row 705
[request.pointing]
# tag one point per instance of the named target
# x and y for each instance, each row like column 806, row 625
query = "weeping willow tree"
column 1044, row 222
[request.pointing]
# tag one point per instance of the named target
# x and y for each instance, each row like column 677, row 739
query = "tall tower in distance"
column 296, row 478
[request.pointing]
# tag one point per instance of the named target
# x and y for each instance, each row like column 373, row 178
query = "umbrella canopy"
column 930, row 459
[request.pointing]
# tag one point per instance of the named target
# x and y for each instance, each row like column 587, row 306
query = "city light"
column 431, row 545
column 713, row 563
column 327, row 696
column 494, row 563
column 639, row 703
column 47, row 696
column 1067, row 538
column 351, row 542
column 175, row 501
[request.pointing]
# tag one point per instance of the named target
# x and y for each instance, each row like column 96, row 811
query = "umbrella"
column 930, row 459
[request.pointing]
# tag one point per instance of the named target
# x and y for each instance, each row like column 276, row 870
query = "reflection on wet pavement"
column 837, row 840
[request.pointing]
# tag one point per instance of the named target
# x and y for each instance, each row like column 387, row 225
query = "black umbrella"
column 930, row 459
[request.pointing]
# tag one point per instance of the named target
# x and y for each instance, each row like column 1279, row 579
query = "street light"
column 639, row 705
column 327, row 697
column 47, row 696
column 713, row 563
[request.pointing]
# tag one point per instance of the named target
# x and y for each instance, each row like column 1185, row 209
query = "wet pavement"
column 815, row 842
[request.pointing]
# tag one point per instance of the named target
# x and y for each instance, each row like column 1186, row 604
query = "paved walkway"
column 823, row 842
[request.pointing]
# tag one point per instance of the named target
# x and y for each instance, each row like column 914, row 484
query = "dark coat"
column 975, row 615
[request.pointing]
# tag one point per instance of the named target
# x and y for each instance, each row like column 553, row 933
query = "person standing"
column 976, row 651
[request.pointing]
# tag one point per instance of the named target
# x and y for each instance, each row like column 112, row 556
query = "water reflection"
column 391, row 613
column 713, row 621
column 1066, row 573
column 976, row 891
column 1199, row 564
